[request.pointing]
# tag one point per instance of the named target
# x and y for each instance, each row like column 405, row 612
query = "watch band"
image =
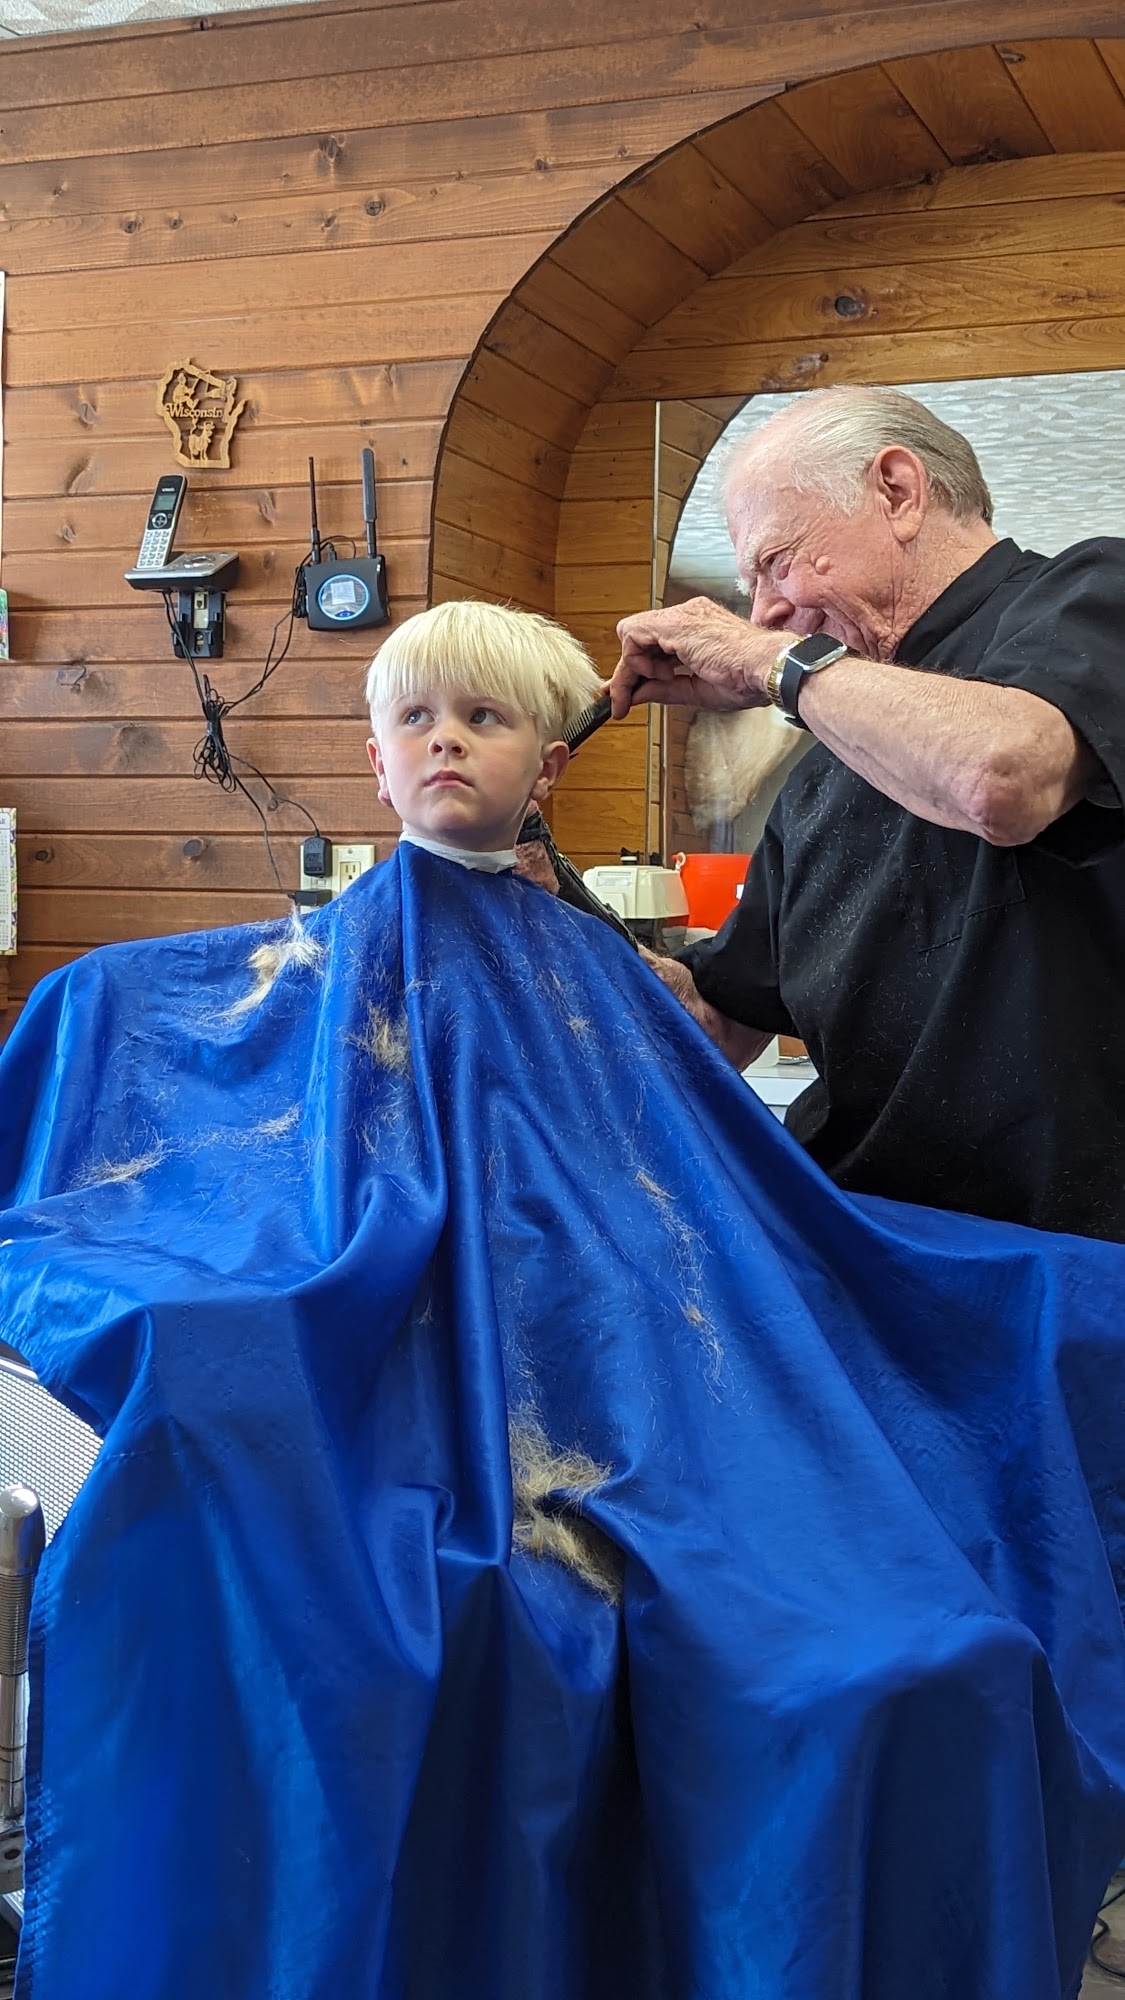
column 805, row 656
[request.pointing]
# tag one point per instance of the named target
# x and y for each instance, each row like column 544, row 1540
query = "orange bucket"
column 711, row 885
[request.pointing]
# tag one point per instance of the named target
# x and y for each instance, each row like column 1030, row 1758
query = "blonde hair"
column 516, row 657
column 831, row 437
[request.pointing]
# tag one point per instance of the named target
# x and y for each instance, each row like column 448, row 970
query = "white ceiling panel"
column 57, row 17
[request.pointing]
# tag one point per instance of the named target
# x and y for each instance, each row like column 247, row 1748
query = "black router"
column 344, row 595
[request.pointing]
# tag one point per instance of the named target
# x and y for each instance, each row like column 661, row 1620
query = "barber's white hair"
column 830, row 438
column 517, row 657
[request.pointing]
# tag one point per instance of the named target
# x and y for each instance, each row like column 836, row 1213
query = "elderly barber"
column 937, row 906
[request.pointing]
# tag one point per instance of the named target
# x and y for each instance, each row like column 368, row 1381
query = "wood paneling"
column 439, row 228
column 899, row 293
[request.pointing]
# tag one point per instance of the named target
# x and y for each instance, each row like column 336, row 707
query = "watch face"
column 817, row 651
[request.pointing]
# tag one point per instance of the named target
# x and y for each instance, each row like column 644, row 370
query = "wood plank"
column 865, row 129
column 588, row 528
column 137, row 633
column 332, row 161
column 481, row 565
column 143, row 749
column 263, row 461
column 943, row 354
column 317, row 398
column 561, row 299
column 1052, row 177
column 496, row 507
column 218, row 228
column 621, row 256
column 265, row 576
column 267, row 285
column 217, row 517
column 30, row 965
column 252, row 49
column 686, row 427
column 615, row 757
column 424, row 93
column 542, row 351
column 1070, row 92
column 843, row 304
column 164, row 692
column 599, row 475
column 693, row 205
column 495, row 384
column 772, row 162
column 614, row 588
column 221, row 861
column 116, row 916
column 417, row 328
column 999, row 230
column 489, row 439
column 606, row 820
column 610, row 427
column 967, row 99
column 346, row 807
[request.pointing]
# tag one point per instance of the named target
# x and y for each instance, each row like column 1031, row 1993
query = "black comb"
column 585, row 724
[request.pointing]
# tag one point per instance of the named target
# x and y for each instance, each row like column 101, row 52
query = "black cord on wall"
column 213, row 758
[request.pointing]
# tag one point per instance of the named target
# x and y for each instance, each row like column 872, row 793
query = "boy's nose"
column 446, row 743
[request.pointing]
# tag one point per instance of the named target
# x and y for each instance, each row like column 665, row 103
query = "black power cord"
column 213, row 757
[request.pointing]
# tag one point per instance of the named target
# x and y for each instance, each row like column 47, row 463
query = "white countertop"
column 778, row 1082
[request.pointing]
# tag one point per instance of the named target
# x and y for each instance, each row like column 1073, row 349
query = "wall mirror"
column 1051, row 449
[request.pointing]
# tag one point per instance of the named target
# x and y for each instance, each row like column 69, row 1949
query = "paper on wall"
column 7, row 880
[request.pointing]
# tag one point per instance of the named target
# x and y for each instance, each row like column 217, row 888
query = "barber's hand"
column 696, row 654
column 738, row 1043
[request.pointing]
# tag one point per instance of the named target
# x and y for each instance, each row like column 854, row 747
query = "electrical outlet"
column 349, row 862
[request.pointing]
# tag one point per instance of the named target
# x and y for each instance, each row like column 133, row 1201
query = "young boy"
column 468, row 707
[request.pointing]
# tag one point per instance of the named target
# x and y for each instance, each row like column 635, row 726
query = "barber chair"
column 45, row 1455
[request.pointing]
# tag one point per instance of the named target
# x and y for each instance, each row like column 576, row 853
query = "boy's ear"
column 556, row 757
column 377, row 766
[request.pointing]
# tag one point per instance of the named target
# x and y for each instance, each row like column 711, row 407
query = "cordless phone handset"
column 156, row 542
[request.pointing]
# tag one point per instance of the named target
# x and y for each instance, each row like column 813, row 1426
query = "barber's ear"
column 900, row 481
column 556, row 757
column 377, row 767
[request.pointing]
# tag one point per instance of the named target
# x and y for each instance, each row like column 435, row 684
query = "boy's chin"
column 461, row 828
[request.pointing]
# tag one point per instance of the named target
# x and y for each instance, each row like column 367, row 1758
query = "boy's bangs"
column 461, row 667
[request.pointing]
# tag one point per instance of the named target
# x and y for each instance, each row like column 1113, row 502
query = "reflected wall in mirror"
column 1050, row 448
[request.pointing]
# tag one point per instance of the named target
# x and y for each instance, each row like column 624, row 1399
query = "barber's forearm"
column 994, row 761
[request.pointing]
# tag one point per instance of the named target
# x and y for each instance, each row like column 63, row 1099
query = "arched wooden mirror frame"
column 925, row 218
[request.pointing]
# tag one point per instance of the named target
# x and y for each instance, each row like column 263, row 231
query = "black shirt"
column 964, row 1005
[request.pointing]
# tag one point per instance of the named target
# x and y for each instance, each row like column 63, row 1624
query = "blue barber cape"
column 307, row 1728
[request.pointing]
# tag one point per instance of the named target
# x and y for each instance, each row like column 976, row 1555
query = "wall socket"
column 349, row 860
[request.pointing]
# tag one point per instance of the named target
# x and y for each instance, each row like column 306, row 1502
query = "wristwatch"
column 804, row 656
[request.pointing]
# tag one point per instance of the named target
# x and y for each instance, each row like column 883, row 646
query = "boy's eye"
column 415, row 715
column 483, row 714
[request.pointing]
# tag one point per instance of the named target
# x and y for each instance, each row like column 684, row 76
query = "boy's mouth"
column 442, row 778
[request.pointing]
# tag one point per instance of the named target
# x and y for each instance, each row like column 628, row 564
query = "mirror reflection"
column 722, row 773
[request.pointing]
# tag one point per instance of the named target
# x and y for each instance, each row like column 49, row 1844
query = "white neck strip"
column 493, row 863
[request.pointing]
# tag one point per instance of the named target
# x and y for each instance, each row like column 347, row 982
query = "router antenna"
column 314, row 531
column 369, row 498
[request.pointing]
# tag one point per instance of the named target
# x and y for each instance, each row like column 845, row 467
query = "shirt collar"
column 958, row 601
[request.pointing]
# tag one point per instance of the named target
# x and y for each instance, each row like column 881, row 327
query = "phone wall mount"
column 343, row 595
column 198, row 582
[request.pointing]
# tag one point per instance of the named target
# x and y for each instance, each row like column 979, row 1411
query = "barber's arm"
column 998, row 762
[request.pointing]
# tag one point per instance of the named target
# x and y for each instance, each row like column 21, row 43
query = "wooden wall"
column 349, row 207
